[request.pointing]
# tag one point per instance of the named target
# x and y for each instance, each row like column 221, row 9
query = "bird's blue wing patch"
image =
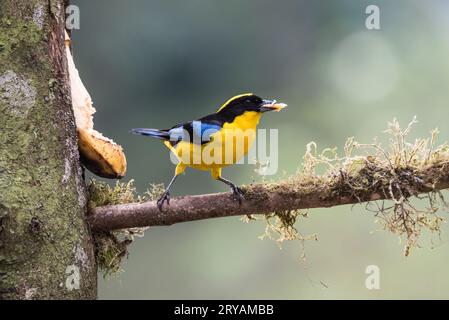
column 202, row 131
column 197, row 132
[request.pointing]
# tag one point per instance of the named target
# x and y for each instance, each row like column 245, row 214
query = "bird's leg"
column 237, row 192
column 166, row 195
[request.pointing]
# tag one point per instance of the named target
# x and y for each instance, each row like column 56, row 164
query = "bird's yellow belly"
column 227, row 146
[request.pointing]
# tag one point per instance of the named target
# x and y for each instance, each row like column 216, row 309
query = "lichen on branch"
column 385, row 178
column 398, row 172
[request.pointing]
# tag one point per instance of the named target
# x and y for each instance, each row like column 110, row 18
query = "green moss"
column 365, row 170
column 109, row 252
column 112, row 247
column 102, row 194
column 23, row 40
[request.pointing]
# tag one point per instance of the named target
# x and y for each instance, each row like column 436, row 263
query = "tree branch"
column 337, row 188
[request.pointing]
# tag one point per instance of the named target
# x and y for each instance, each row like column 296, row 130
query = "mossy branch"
column 384, row 178
column 397, row 173
column 292, row 194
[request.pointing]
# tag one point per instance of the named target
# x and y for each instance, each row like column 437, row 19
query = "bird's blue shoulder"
column 197, row 131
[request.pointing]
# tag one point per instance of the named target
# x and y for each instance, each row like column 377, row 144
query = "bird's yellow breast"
column 227, row 146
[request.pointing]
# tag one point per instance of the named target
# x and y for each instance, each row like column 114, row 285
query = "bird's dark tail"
column 155, row 133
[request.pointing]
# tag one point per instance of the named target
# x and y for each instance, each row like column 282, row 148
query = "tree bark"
column 46, row 247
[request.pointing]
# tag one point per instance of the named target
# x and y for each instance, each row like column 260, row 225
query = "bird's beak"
column 272, row 105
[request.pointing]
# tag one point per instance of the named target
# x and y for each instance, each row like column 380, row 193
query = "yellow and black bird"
column 216, row 140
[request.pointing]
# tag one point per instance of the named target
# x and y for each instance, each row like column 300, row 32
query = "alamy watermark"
column 72, row 281
column 372, row 281
column 225, row 147
column 372, row 22
column 72, row 20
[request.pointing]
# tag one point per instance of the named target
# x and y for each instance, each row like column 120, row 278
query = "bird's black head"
column 250, row 102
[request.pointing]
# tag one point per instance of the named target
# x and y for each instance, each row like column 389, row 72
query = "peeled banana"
column 99, row 154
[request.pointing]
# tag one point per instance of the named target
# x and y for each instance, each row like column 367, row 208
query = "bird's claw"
column 164, row 198
column 238, row 194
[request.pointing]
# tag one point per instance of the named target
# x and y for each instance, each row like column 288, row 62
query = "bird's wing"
column 197, row 132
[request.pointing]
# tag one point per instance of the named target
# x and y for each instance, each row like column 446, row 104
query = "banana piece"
column 99, row 154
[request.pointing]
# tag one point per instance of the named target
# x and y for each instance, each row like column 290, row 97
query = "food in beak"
column 278, row 106
column 272, row 105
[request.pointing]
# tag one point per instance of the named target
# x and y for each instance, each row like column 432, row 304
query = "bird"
column 214, row 141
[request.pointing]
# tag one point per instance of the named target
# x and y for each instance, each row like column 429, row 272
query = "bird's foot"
column 237, row 194
column 164, row 198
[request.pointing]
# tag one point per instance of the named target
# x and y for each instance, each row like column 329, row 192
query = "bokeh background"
column 156, row 63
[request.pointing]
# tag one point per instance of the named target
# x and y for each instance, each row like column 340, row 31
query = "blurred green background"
column 156, row 63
